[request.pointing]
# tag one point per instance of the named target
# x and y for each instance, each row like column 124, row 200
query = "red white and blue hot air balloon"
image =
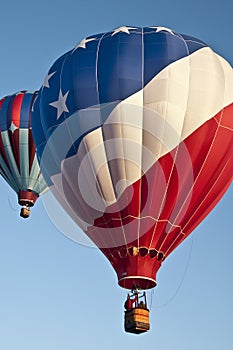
column 18, row 161
column 134, row 134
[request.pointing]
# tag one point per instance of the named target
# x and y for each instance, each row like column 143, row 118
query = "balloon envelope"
column 18, row 162
column 134, row 134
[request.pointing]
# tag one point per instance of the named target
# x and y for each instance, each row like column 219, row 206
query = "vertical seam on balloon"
column 24, row 159
column 16, row 113
column 23, row 147
column 173, row 166
column 122, row 144
column 122, row 140
column 96, row 68
column 164, row 197
column 32, row 151
column 142, row 132
column 102, row 132
column 122, row 226
column 38, row 98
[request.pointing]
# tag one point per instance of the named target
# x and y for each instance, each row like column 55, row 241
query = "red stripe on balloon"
column 176, row 194
column 16, row 109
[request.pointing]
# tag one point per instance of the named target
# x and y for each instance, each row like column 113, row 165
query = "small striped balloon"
column 18, row 161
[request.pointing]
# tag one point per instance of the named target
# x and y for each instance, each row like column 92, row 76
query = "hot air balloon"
column 18, row 162
column 134, row 135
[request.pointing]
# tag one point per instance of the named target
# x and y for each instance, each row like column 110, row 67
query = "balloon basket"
column 25, row 212
column 137, row 320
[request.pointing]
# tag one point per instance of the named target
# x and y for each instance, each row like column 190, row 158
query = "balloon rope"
column 11, row 205
column 181, row 282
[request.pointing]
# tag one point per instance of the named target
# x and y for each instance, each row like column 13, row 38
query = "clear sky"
column 56, row 294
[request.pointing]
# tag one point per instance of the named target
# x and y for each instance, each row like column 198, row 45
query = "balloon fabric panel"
column 145, row 115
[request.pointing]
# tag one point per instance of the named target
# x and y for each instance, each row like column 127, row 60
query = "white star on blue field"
column 60, row 104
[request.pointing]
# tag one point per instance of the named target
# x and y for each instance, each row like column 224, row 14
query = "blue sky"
column 57, row 294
